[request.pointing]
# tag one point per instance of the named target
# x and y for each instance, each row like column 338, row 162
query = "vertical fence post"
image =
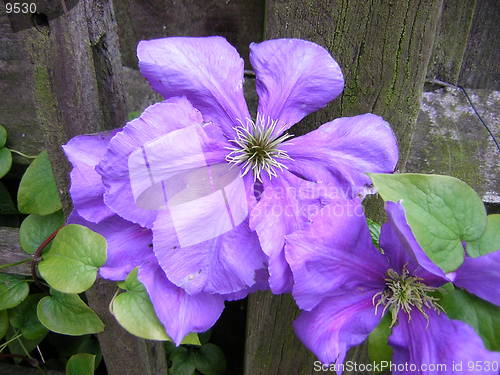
column 78, row 89
column 383, row 48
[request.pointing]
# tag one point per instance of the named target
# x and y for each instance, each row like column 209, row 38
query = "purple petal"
column 287, row 204
column 440, row 340
column 401, row 247
column 342, row 151
column 179, row 312
column 481, row 276
column 156, row 121
column 208, row 71
column 205, row 244
column 337, row 324
column 294, row 78
column 225, row 264
column 334, row 255
column 129, row 245
column 84, row 152
column 261, row 283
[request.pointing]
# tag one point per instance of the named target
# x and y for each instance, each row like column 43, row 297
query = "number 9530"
column 20, row 8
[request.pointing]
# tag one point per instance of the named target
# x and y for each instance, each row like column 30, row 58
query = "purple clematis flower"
column 346, row 285
column 183, row 177
column 129, row 245
column 293, row 176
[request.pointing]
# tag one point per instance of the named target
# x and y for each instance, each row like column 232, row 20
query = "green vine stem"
column 15, row 263
column 37, row 255
column 22, row 154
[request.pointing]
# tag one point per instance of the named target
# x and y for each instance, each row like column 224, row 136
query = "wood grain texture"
column 384, row 49
column 450, row 139
column 451, row 40
column 17, row 106
column 240, row 21
column 480, row 68
column 11, row 252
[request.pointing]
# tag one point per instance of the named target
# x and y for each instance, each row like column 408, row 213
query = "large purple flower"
column 293, row 79
column 345, row 285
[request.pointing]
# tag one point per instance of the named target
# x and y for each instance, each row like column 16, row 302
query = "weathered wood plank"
column 77, row 89
column 450, row 139
column 240, row 21
column 451, row 40
column 17, row 107
column 480, row 68
column 11, row 252
column 384, row 50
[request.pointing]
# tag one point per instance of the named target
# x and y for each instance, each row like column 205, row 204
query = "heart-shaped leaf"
column 68, row 314
column 13, row 290
column 81, row 364
column 37, row 192
column 182, row 362
column 5, row 161
column 483, row 316
column 74, row 258
column 35, row 229
column 209, row 360
column 490, row 239
column 441, row 210
column 3, row 136
column 134, row 311
column 23, row 317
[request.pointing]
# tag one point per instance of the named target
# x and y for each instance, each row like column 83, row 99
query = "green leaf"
column 38, row 192
column 74, row 258
column 484, row 317
column 378, row 348
column 35, row 229
column 80, row 364
column 4, row 323
column 134, row 311
column 374, row 228
column 441, row 210
column 68, row 314
column 5, row 161
column 210, row 360
column 191, row 339
column 13, row 290
column 490, row 239
column 7, row 206
column 182, row 362
column 3, row 136
column 24, row 318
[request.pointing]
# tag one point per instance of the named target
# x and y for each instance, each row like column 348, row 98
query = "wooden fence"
column 75, row 72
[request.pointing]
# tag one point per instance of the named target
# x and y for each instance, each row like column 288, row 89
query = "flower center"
column 405, row 292
column 256, row 148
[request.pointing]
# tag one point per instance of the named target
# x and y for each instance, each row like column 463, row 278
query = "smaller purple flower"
column 129, row 246
column 345, row 285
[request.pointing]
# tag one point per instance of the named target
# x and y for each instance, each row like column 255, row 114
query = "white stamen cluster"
column 404, row 292
column 256, row 147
